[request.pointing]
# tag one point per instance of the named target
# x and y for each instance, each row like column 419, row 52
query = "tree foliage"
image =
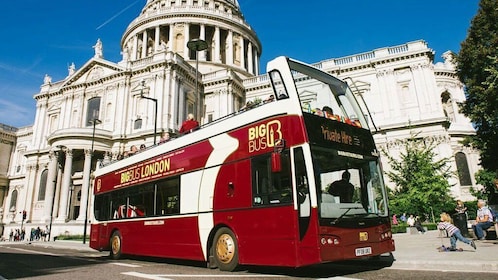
column 477, row 68
column 422, row 186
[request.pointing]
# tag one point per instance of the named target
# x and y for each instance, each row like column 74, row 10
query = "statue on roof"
column 71, row 69
column 99, row 49
column 47, row 79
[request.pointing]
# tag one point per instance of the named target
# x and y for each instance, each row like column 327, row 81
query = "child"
column 453, row 232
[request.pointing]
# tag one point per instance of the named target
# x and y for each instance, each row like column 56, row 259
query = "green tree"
column 477, row 68
column 422, row 186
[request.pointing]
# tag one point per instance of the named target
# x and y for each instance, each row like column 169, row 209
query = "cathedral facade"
column 103, row 108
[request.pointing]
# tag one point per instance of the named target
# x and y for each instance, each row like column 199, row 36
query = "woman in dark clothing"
column 460, row 218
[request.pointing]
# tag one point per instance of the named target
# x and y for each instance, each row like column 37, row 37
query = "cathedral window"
column 13, row 201
column 463, row 169
column 138, row 124
column 43, row 185
column 449, row 113
column 93, row 110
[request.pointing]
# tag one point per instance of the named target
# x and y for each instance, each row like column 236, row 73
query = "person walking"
column 395, row 220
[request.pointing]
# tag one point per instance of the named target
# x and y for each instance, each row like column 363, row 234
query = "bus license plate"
column 363, row 251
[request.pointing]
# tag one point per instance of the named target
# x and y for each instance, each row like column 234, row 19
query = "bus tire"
column 225, row 250
column 115, row 244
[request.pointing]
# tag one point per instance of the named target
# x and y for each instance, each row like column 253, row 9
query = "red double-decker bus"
column 293, row 181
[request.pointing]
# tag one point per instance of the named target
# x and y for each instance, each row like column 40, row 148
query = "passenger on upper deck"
column 189, row 125
column 327, row 111
column 133, row 150
column 164, row 137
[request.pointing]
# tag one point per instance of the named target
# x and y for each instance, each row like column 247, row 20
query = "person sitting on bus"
column 164, row 137
column 189, row 125
column 270, row 98
column 327, row 111
column 343, row 188
column 142, row 147
column 128, row 212
column 133, row 150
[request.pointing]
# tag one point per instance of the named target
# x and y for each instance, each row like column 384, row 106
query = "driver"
column 343, row 188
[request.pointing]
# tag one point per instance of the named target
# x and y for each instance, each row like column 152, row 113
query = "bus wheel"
column 226, row 251
column 115, row 245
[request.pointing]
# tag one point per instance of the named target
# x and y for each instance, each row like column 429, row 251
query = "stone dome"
column 167, row 25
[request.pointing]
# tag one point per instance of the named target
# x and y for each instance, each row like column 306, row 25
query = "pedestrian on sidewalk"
column 395, row 220
column 453, row 232
column 461, row 218
column 418, row 225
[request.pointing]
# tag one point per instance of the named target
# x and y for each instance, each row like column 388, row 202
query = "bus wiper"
column 345, row 212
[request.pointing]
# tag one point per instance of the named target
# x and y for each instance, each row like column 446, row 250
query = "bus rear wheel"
column 225, row 250
column 115, row 243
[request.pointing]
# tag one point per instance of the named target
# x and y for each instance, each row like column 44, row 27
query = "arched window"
column 43, row 185
column 463, row 169
column 448, row 106
column 93, row 110
column 13, row 201
column 138, row 124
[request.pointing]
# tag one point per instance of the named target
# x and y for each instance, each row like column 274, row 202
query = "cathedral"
column 201, row 57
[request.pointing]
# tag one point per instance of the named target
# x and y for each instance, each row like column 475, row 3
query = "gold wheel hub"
column 116, row 245
column 225, row 248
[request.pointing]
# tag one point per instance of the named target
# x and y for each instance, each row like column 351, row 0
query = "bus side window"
column 141, row 202
column 271, row 187
column 168, row 196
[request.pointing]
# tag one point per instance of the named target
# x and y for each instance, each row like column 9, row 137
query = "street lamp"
column 197, row 45
column 155, row 103
column 94, row 122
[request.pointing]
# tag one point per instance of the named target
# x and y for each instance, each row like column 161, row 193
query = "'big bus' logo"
column 264, row 135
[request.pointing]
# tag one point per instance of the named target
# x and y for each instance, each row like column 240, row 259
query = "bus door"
column 307, row 247
column 102, row 213
column 302, row 193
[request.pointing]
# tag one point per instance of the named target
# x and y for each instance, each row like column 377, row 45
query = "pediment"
column 94, row 70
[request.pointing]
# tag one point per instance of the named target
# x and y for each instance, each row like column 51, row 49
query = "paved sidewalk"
column 419, row 251
column 59, row 244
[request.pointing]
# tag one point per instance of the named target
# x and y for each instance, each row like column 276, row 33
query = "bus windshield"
column 327, row 96
column 348, row 184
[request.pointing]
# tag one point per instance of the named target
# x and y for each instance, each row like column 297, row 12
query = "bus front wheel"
column 115, row 243
column 225, row 249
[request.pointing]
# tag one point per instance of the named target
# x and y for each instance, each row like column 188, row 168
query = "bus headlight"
column 330, row 240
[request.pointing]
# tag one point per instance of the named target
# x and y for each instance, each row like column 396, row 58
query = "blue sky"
column 44, row 37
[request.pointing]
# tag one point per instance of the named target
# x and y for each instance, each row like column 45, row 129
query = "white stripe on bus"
column 223, row 146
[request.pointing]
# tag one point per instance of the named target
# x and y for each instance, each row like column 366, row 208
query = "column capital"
column 88, row 152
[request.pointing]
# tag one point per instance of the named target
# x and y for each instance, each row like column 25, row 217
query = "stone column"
column 171, row 38
column 66, row 182
column 144, row 44
column 250, row 62
column 135, row 48
column 50, row 188
column 202, row 36
column 216, row 36
column 242, row 53
column 256, row 63
column 229, row 52
column 186, row 32
column 157, row 38
column 87, row 166
column 31, row 195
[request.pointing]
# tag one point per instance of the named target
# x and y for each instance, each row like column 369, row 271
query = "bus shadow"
column 315, row 271
column 327, row 270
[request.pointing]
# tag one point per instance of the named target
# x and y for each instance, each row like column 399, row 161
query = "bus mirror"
column 276, row 162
